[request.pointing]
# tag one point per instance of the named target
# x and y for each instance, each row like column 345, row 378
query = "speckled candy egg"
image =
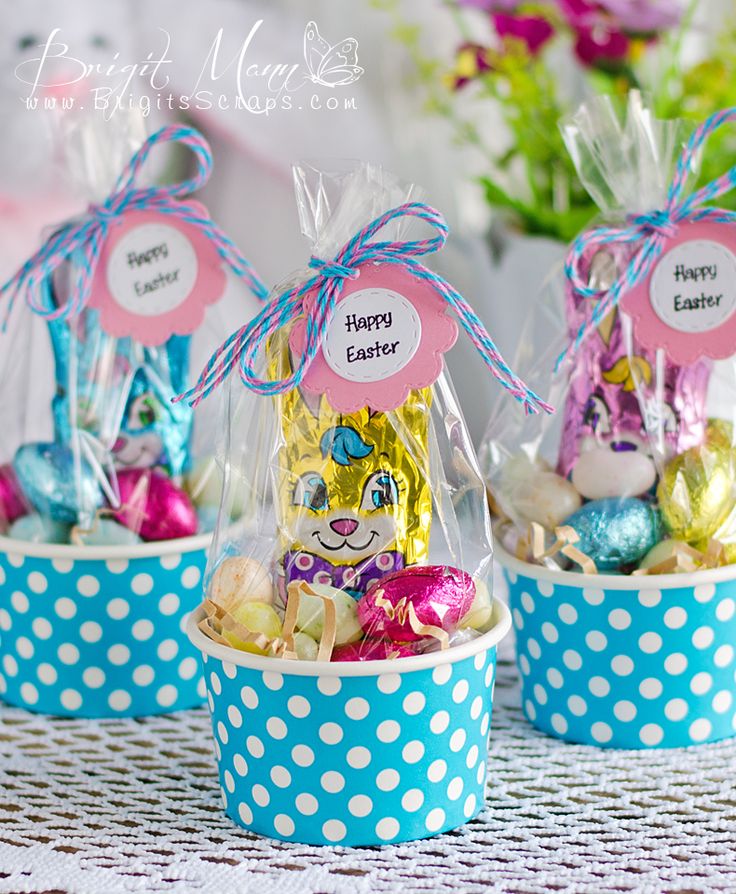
column 240, row 579
column 305, row 647
column 310, row 616
column 153, row 506
column 439, row 595
column 615, row 532
column 696, row 491
column 532, row 492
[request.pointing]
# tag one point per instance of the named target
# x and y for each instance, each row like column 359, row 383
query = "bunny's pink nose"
column 344, row 526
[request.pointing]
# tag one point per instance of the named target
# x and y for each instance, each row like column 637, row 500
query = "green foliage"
column 532, row 180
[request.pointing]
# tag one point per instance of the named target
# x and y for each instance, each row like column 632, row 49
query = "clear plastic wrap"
column 364, row 534
column 110, row 459
column 636, row 473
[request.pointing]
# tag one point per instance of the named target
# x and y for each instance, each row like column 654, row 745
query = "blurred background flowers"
column 530, row 64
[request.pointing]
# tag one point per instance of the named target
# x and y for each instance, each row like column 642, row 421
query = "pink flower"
column 598, row 47
column 490, row 5
column 603, row 28
column 644, row 16
column 599, row 39
column 534, row 31
column 471, row 60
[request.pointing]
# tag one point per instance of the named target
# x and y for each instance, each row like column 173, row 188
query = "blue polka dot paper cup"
column 100, row 631
column 363, row 753
column 626, row 661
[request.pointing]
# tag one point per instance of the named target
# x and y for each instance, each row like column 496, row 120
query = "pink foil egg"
column 372, row 650
column 153, row 506
column 12, row 502
column 402, row 602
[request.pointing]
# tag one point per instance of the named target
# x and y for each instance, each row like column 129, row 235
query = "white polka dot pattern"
column 627, row 668
column 99, row 638
column 353, row 760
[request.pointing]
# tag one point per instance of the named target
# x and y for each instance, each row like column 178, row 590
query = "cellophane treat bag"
column 99, row 455
column 635, row 340
column 363, row 527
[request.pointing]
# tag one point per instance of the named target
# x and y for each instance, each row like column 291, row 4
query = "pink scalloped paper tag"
column 687, row 304
column 387, row 337
column 156, row 276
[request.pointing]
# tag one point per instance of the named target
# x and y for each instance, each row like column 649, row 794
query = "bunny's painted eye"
column 597, row 415
column 143, row 413
column 380, row 490
column 99, row 42
column 311, row 492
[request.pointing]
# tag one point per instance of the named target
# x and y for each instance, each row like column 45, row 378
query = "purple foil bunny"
column 625, row 404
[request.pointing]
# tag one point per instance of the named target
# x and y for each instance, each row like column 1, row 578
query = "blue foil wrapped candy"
column 616, row 532
column 57, row 484
column 115, row 392
column 123, row 391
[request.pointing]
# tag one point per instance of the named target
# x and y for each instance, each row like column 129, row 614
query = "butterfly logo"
column 330, row 66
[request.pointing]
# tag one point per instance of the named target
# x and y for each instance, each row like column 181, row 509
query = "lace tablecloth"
column 133, row 805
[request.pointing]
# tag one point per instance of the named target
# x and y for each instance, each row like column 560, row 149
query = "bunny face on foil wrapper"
column 354, row 502
column 122, row 394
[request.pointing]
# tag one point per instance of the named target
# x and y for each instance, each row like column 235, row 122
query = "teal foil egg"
column 55, row 485
column 615, row 532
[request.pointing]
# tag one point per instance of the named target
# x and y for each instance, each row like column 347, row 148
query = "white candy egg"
column 546, row 498
column 602, row 472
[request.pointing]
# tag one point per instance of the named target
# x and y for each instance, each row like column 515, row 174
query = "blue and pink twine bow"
column 244, row 346
column 82, row 239
column 652, row 229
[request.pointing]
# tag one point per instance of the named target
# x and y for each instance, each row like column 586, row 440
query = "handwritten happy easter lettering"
column 151, row 268
column 151, row 257
column 692, row 288
column 369, row 323
column 374, row 334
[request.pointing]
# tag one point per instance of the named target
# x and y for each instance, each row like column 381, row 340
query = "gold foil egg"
column 696, row 491
column 719, row 431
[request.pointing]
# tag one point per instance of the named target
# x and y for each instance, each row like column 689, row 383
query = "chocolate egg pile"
column 628, row 513
column 42, row 490
column 420, row 608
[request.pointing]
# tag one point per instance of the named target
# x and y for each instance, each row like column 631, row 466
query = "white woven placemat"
column 133, row 805
column 101, row 807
